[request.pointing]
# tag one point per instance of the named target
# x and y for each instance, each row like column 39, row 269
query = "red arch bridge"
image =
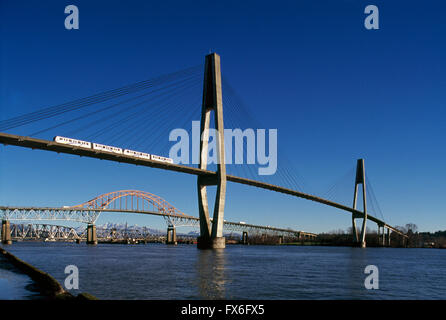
column 123, row 201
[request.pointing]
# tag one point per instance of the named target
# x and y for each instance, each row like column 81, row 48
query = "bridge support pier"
column 388, row 237
column 212, row 237
column 171, row 235
column 381, row 235
column 211, row 243
column 245, row 237
column 91, row 234
column 280, row 239
column 360, row 179
column 6, row 232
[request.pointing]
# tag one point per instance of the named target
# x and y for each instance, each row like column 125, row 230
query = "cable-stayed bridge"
column 156, row 110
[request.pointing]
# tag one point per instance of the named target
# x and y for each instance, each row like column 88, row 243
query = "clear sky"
column 335, row 91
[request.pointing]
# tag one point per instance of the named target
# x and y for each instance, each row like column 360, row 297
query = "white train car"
column 72, row 142
column 103, row 147
column 161, row 159
column 137, row 154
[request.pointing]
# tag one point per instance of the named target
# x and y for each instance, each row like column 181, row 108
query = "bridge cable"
column 120, row 122
column 168, row 120
column 110, row 116
column 165, row 118
column 82, row 102
column 106, row 108
column 373, row 196
column 93, row 99
column 335, row 188
column 282, row 171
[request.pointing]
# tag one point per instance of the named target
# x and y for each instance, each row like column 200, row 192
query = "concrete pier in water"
column 6, row 232
column 171, row 236
column 91, row 234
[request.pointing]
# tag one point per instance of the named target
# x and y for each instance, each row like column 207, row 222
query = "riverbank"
column 43, row 282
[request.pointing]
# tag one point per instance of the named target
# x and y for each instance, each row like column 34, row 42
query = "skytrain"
column 113, row 149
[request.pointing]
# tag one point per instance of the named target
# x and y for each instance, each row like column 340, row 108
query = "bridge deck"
column 33, row 143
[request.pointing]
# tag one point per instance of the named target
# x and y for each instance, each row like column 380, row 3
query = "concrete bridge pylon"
column 359, row 180
column 211, row 237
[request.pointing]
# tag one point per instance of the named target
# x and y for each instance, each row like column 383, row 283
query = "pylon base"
column 211, row 243
column 359, row 244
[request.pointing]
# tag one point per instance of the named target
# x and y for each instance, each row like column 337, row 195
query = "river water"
column 14, row 284
column 157, row 271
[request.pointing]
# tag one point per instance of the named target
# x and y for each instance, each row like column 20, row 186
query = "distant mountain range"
column 135, row 227
column 123, row 226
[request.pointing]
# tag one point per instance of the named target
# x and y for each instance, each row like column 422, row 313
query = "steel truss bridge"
column 53, row 232
column 132, row 201
column 43, row 231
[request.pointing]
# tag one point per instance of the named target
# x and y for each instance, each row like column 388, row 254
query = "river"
column 14, row 284
column 157, row 271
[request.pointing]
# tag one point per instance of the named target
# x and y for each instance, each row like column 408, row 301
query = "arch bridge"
column 127, row 201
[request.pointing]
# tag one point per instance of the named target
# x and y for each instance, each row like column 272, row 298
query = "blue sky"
column 335, row 91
